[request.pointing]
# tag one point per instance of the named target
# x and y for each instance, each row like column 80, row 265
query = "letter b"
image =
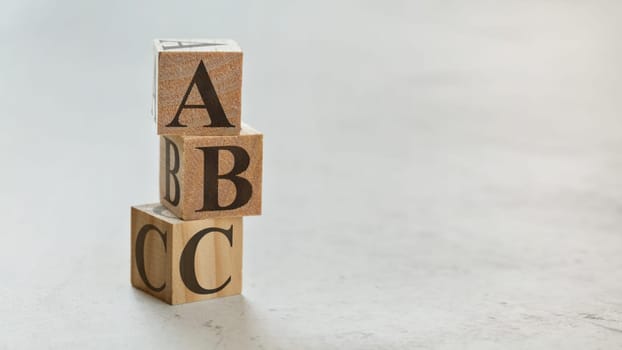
column 171, row 170
column 211, row 178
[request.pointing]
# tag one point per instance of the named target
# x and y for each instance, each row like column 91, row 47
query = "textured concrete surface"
column 437, row 175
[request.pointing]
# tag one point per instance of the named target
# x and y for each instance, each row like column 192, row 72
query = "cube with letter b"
column 198, row 87
column 185, row 261
column 205, row 177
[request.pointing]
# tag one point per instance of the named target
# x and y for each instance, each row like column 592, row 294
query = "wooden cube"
column 205, row 177
column 184, row 261
column 198, row 87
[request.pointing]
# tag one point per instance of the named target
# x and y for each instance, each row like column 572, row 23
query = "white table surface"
column 437, row 175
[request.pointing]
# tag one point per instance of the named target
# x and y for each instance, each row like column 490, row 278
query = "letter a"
column 211, row 103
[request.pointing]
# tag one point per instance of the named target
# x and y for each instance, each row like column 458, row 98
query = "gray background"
column 438, row 174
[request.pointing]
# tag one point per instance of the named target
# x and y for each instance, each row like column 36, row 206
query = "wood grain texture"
column 177, row 62
column 190, row 202
column 166, row 240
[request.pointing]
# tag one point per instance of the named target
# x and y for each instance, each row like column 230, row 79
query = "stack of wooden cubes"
column 188, row 247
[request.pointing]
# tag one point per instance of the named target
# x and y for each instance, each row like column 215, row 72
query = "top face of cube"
column 198, row 87
column 159, row 212
column 197, row 45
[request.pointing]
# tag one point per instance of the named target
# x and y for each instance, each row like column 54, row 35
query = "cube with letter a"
column 184, row 261
column 197, row 87
column 205, row 177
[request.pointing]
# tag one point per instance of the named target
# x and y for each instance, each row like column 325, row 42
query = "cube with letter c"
column 184, row 261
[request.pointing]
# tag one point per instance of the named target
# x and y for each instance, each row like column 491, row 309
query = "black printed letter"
column 211, row 103
column 139, row 252
column 171, row 171
column 186, row 262
column 244, row 189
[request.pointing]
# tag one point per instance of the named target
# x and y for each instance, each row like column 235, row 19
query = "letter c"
column 186, row 262
column 139, row 252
